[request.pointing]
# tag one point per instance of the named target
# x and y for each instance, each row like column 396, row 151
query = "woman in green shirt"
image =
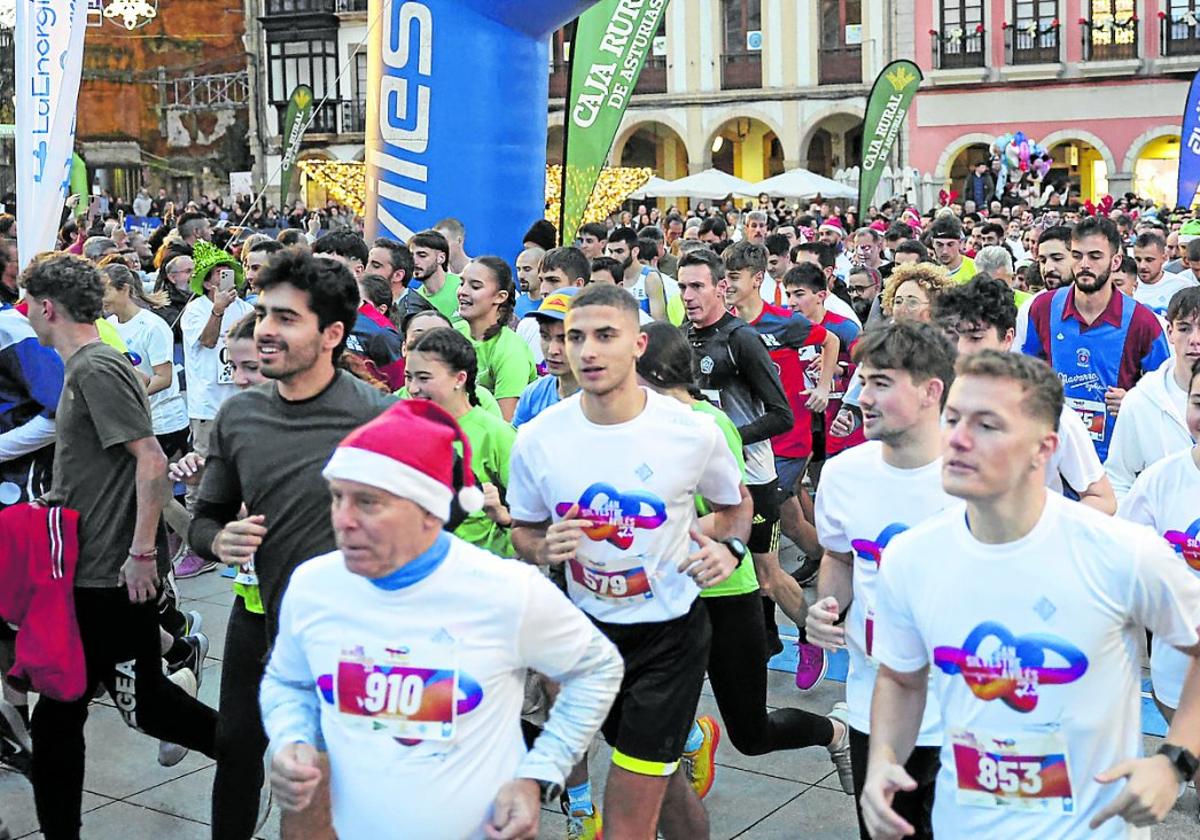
column 486, row 297
column 441, row 367
column 737, row 660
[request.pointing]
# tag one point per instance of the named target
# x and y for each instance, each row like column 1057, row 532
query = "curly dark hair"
column 984, row 301
column 70, row 281
column 332, row 293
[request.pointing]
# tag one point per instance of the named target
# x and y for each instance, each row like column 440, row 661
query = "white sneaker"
column 171, row 754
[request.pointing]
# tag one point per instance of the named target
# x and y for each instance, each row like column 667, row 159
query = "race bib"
column 1030, row 774
column 1092, row 413
column 246, row 574
column 224, row 364
column 404, row 691
column 617, row 585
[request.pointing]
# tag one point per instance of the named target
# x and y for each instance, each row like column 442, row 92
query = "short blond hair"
column 931, row 277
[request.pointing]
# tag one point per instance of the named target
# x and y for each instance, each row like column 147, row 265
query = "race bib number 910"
column 1026, row 775
column 397, row 694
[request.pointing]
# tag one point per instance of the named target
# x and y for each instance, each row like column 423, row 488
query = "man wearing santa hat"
column 403, row 653
column 833, row 233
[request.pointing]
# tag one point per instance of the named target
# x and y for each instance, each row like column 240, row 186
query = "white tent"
column 653, row 188
column 800, row 183
column 711, row 183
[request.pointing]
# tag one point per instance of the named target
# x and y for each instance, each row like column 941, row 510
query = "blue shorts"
column 790, row 471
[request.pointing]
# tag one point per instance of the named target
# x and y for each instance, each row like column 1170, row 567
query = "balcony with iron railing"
column 1033, row 43
column 1110, row 39
column 346, row 116
column 1179, row 35
column 839, row 65
column 955, row 48
column 741, row 71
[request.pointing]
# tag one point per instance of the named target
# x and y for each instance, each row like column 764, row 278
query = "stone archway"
column 950, row 154
column 652, row 144
column 745, row 146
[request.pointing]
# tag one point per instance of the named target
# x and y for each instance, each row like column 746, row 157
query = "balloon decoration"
column 1018, row 154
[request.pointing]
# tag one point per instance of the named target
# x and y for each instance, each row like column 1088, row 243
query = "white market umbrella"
column 711, row 183
column 653, row 188
column 801, row 183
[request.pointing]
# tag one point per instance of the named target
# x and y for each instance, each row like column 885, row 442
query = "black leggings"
column 916, row 806
column 737, row 670
column 241, row 741
column 121, row 651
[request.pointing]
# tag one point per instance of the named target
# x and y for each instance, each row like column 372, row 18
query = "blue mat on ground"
column 1152, row 722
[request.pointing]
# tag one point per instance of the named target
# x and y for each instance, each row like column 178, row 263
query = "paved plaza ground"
column 787, row 795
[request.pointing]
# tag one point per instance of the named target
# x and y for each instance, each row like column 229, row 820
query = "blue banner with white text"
column 1189, row 149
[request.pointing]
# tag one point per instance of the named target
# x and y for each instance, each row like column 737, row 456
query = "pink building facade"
column 1100, row 83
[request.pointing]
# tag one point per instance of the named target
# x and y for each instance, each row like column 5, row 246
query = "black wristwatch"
column 1181, row 759
column 551, row 791
column 736, row 546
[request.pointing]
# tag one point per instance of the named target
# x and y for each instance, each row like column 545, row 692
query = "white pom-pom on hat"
column 470, row 498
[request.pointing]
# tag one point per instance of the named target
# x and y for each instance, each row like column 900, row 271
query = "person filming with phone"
column 216, row 280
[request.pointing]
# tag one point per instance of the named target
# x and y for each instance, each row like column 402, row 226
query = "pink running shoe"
column 811, row 666
column 192, row 564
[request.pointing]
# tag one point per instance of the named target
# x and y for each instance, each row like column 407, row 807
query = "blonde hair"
column 932, row 278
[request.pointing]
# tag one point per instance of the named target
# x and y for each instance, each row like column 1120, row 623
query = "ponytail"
column 502, row 275
column 120, row 276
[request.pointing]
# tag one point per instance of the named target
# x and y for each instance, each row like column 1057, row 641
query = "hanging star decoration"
column 131, row 13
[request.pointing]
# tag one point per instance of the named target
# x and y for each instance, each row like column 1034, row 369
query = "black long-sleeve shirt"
column 737, row 372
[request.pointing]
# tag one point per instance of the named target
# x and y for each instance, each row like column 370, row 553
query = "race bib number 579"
column 619, row 584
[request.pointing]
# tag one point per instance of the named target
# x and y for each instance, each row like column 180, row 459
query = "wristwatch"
column 1182, row 759
column 736, row 546
column 551, row 791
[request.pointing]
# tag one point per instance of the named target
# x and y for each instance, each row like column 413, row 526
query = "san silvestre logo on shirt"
column 616, row 516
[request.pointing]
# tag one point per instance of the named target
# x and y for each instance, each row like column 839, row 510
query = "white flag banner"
column 49, row 60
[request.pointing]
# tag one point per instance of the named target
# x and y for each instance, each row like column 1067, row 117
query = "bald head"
column 528, row 265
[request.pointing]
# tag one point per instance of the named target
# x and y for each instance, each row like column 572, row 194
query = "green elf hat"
column 1189, row 231
column 206, row 257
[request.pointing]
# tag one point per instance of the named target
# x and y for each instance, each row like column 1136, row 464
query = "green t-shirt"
column 743, row 579
column 1020, row 297
column 482, row 396
column 491, row 445
column 506, row 364
column 964, row 272
column 446, row 299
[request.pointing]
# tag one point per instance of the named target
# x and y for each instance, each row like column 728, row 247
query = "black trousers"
column 241, row 740
column 916, row 806
column 737, row 670
column 121, row 651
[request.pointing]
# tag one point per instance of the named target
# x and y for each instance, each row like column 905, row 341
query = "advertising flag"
column 608, row 50
column 891, row 96
column 1189, row 150
column 49, row 61
column 299, row 113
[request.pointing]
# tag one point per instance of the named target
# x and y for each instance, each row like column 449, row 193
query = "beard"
column 1091, row 283
column 1053, row 281
column 862, row 308
column 296, row 359
column 625, row 263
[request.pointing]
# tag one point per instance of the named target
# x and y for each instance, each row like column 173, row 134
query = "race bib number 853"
column 1027, row 775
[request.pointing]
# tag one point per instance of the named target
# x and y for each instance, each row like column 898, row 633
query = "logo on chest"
column 1187, row 544
column 872, row 550
column 999, row 665
column 1083, row 357
column 616, row 516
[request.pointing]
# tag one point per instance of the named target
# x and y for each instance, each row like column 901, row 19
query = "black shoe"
column 807, row 573
column 198, row 642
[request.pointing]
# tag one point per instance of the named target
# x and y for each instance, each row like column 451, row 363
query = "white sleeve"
column 1166, row 595
column 527, row 328
column 1125, row 457
column 557, row 640
column 160, row 344
column 1079, row 466
column 191, row 324
column 831, row 527
column 721, row 480
column 28, row 437
column 291, row 710
column 525, row 501
column 898, row 642
column 1137, row 506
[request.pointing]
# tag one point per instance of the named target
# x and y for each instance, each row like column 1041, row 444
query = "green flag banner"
column 78, row 182
column 891, row 96
column 608, row 49
column 299, row 113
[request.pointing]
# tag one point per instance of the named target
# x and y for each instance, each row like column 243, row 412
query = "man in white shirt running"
column 1151, row 423
column 1025, row 633
column 868, row 495
column 605, row 483
column 404, row 653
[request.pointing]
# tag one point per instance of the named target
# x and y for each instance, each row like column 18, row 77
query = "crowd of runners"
column 479, row 516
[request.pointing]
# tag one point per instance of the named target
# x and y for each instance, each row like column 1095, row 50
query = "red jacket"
column 39, row 547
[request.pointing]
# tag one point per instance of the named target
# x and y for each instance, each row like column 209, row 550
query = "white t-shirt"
column 454, row 647
column 1158, row 296
column 530, row 331
column 209, row 370
column 1167, row 498
column 861, row 505
column 1033, row 650
column 1075, row 460
column 150, row 343
column 637, row 482
column 839, row 307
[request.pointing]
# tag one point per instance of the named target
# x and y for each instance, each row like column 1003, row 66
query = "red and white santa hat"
column 408, row 451
column 833, row 224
